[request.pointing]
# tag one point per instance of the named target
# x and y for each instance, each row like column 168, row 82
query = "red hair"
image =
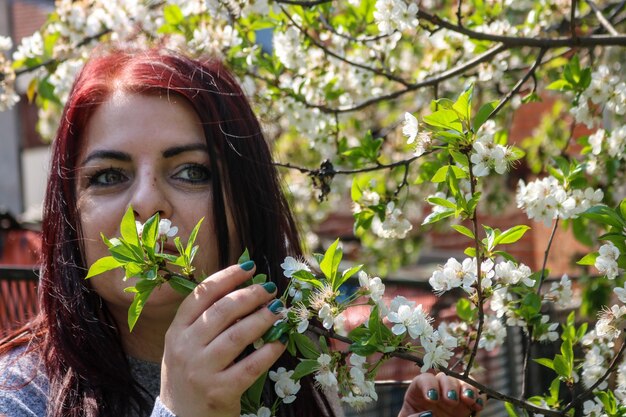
column 73, row 326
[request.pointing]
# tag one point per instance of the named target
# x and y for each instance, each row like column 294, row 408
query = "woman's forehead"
column 145, row 122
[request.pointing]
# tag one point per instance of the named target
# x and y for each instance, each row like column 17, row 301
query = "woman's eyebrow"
column 107, row 154
column 177, row 150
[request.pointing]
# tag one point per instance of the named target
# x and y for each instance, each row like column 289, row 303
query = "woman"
column 175, row 136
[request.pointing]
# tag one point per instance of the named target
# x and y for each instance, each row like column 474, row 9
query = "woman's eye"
column 194, row 173
column 107, row 177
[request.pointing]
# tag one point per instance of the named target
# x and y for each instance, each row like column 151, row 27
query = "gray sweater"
column 32, row 400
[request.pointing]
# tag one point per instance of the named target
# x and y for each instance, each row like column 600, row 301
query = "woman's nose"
column 150, row 197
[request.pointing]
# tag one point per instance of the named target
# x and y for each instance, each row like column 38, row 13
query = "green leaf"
column 306, row 276
column 150, row 232
column 561, row 367
column 548, row 363
column 435, row 217
column 245, row 256
column 102, row 265
column 124, row 254
column 256, row 390
column 441, row 202
column 511, row 235
column 259, row 279
column 560, row 85
column 348, row 273
column 589, row 259
column 459, row 158
column 483, row 114
column 182, row 285
column 306, row 346
column 463, row 230
column 137, row 306
column 510, row 409
column 173, row 15
column 465, row 310
column 605, row 215
column 470, row 251
column 192, row 238
column 128, row 228
column 330, row 264
column 463, row 105
column 304, row 368
column 446, row 119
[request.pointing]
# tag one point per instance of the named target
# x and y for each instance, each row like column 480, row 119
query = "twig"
column 479, row 284
column 343, row 59
column 536, row 42
column 459, row 17
column 310, row 3
column 363, row 39
column 435, row 80
column 605, row 23
column 519, row 84
column 589, row 390
column 545, row 255
column 313, row 171
column 483, row 388
column 572, row 19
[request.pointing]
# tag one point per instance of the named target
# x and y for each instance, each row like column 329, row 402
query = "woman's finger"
column 230, row 309
column 471, row 397
column 244, row 373
column 210, row 290
column 449, row 388
column 227, row 346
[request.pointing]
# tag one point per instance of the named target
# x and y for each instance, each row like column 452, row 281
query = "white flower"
column 166, row 229
column 395, row 226
column 410, row 128
column 285, row 387
column 493, row 334
column 326, row 315
column 508, row 273
column 302, row 315
column 611, row 322
column 5, row 43
column 593, row 408
column 374, row 286
column 560, row 292
column 291, row 265
column 595, row 141
column 606, row 262
column 395, row 14
column 438, row 350
column 262, row 412
column 414, row 321
column 621, row 293
column 325, row 375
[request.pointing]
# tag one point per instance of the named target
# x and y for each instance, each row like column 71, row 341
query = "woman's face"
column 149, row 152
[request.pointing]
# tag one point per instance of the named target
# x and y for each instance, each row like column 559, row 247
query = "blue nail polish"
column 469, row 393
column 270, row 287
column 247, row 265
column 452, row 395
column 426, row 414
column 275, row 306
column 284, row 338
column 432, row 394
column 479, row 401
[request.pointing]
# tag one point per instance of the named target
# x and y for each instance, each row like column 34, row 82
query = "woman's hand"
column 212, row 327
column 440, row 396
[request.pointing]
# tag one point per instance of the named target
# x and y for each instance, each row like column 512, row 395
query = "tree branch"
column 590, row 390
column 519, row 84
column 603, row 21
column 433, row 81
column 335, row 55
column 483, row 388
column 515, row 41
column 302, row 3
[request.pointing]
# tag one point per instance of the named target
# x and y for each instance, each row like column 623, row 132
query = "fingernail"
column 270, row 287
column 432, row 394
column 276, row 305
column 426, row 414
column 284, row 338
column 452, row 395
column 469, row 393
column 479, row 401
column 247, row 265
